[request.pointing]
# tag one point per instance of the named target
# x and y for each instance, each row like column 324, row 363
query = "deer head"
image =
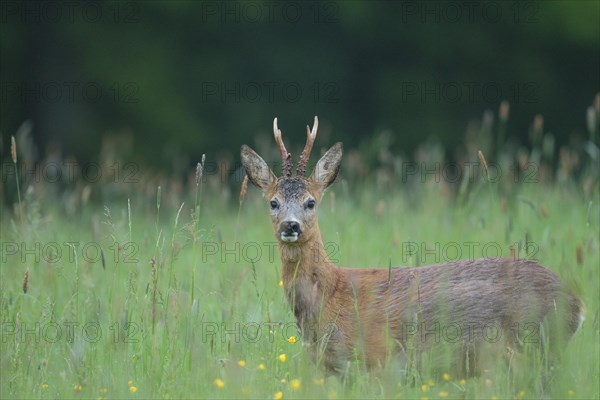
column 293, row 200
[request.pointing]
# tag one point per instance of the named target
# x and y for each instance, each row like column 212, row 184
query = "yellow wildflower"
column 219, row 383
column 462, row 382
column 261, row 366
column 77, row 388
column 424, row 388
column 446, row 376
column 295, row 384
column 282, row 357
column 132, row 389
column 44, row 386
column 424, row 398
column 280, row 284
column 103, row 390
column 443, row 394
column 292, row 339
column 521, row 394
column 278, row 395
column 242, row 363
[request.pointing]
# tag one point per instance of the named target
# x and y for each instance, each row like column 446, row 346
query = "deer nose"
column 290, row 228
column 294, row 226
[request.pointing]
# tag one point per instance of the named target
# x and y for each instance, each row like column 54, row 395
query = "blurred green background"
column 185, row 78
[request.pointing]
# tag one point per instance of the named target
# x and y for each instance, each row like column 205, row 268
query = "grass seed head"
column 13, row 149
column 199, row 171
column 26, row 281
column 504, row 111
column 579, row 254
column 538, row 129
column 483, row 162
column 243, row 189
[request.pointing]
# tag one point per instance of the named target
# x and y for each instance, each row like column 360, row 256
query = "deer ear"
column 328, row 167
column 257, row 169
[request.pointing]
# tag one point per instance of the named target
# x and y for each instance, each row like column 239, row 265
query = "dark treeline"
column 190, row 77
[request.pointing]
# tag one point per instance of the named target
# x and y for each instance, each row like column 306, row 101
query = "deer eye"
column 310, row 204
column 274, row 204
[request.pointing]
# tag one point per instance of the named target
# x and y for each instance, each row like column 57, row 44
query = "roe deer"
column 345, row 313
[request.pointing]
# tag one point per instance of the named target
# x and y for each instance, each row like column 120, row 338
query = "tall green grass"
column 187, row 303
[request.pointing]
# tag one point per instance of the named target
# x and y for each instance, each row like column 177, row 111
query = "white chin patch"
column 288, row 238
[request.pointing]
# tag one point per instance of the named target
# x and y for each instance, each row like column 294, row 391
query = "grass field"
column 175, row 306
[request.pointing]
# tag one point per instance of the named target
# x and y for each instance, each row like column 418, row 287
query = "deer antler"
column 310, row 139
column 285, row 156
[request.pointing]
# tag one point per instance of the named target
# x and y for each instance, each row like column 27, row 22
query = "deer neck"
column 310, row 281
column 308, row 263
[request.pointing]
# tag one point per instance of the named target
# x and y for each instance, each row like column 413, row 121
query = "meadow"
column 176, row 292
